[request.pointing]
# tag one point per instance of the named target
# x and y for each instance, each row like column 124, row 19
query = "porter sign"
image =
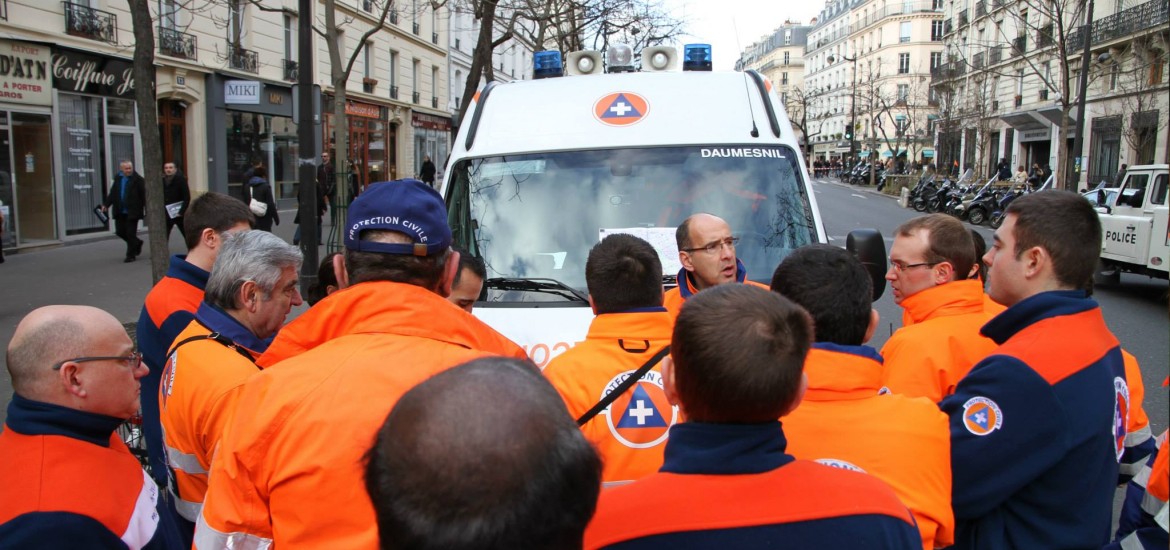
column 241, row 92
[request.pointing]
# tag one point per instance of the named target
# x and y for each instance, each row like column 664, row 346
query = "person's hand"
column 104, row 208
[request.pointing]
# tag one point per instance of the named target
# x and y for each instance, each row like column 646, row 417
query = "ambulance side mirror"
column 869, row 247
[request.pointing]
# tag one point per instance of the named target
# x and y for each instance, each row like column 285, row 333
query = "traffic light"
column 849, row 134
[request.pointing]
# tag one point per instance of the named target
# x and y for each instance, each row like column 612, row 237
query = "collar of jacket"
column 689, row 289
column 655, row 324
column 703, row 448
column 837, row 372
column 1036, row 308
column 29, row 417
column 953, row 298
column 384, row 307
column 187, row 272
column 218, row 320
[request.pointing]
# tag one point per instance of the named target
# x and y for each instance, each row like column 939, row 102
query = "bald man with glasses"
column 930, row 265
column 706, row 250
column 65, row 476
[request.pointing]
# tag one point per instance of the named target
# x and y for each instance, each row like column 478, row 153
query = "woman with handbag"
column 262, row 202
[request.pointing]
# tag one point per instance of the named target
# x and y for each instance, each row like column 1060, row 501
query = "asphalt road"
column 1135, row 310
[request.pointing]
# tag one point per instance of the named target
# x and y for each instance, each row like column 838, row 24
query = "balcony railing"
column 963, row 20
column 291, row 70
column 977, row 60
column 1019, row 45
column 994, row 55
column 244, row 60
column 434, row 102
column 947, row 71
column 90, row 23
column 891, row 10
column 393, row 92
column 369, row 85
column 948, row 27
column 177, row 44
column 1153, row 14
column 1044, row 36
column 414, row 96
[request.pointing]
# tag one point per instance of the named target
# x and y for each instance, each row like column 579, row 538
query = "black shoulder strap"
column 224, row 340
column 623, row 387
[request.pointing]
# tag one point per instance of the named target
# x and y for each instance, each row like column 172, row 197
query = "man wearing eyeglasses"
column 706, row 250
column 66, row 479
column 930, row 264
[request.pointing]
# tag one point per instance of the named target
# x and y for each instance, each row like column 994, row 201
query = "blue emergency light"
column 547, row 63
column 697, row 57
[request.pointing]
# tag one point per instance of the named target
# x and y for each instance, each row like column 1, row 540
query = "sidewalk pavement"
column 90, row 273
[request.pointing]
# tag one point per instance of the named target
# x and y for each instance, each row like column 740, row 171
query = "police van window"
column 1134, row 192
column 1159, row 192
column 535, row 216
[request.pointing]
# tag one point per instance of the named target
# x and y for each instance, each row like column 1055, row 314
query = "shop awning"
column 929, row 153
column 863, row 154
column 888, row 154
column 1024, row 121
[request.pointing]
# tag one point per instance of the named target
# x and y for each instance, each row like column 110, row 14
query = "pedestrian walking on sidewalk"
column 126, row 203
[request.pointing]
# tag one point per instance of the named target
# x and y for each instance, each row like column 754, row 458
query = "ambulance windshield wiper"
column 549, row 286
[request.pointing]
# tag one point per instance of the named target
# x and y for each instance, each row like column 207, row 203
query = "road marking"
column 859, row 196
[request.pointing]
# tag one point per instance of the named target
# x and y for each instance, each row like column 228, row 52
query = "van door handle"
column 1131, row 227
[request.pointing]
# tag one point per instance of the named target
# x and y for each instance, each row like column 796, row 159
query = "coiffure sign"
column 87, row 73
column 241, row 92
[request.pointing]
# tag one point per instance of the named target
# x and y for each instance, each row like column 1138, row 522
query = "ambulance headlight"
column 619, row 58
column 547, row 64
column 697, row 57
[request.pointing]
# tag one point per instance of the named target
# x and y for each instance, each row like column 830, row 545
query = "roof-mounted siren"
column 619, row 58
column 697, row 57
column 583, row 62
column 659, row 58
column 547, row 64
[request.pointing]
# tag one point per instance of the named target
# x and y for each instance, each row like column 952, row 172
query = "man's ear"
column 666, row 367
column 449, row 273
column 944, row 273
column 69, row 380
column 209, row 238
column 874, row 319
column 799, row 395
column 249, row 296
column 339, row 271
column 685, row 259
column 1036, row 261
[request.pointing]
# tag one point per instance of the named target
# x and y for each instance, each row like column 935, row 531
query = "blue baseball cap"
column 407, row 206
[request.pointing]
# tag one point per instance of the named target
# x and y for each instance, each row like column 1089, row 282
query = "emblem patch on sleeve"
column 981, row 416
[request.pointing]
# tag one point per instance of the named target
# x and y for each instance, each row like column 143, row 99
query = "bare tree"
column 144, row 96
column 1140, row 99
column 798, row 105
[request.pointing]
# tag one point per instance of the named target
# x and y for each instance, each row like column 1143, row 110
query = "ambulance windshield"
column 536, row 216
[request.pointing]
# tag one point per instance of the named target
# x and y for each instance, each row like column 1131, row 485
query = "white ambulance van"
column 1135, row 222
column 542, row 170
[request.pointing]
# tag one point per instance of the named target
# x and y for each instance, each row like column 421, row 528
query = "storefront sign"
column 24, row 73
column 1036, row 135
column 367, row 110
column 241, row 92
column 75, row 71
column 430, row 122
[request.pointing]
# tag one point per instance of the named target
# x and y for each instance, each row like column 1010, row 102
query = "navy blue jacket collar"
column 702, row 448
column 1034, row 309
column 685, row 281
column 29, row 417
column 187, row 272
column 218, row 320
column 862, row 351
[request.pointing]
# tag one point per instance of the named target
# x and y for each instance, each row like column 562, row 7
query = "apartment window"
column 290, row 37
column 903, row 63
column 368, row 6
column 235, row 22
column 787, row 37
column 903, row 92
column 393, row 68
column 935, row 60
column 414, row 75
column 457, row 44
column 786, row 57
column 936, row 31
column 434, row 80
column 783, row 79
column 904, row 34
column 1019, row 83
column 368, row 60
column 936, row 5
column 1156, row 71
column 168, row 14
column 1114, row 73
column 784, row 98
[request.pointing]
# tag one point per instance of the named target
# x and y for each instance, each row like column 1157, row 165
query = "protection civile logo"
column 1120, row 415
column 641, row 417
column 621, row 108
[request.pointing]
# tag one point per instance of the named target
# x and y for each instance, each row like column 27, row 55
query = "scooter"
column 961, row 208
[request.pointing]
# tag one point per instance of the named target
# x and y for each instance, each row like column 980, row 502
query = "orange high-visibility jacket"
column 631, row 433
column 290, row 468
column 904, row 441
column 196, row 398
column 928, row 358
column 1139, row 440
column 674, row 298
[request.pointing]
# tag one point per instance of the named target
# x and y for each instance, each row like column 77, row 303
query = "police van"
column 1135, row 225
column 541, row 170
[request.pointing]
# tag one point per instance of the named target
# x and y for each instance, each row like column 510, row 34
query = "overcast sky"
column 716, row 21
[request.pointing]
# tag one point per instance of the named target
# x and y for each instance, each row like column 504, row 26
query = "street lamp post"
column 852, row 106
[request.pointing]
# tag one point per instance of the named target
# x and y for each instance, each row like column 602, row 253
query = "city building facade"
column 1010, row 84
column 779, row 57
column 225, row 73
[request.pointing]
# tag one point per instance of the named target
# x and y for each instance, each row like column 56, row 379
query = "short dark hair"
column 682, row 235
column 980, row 250
column 467, row 261
column 424, row 271
column 1065, row 225
column 833, row 287
column 949, row 241
column 260, row 172
column 623, row 272
column 325, row 277
column 214, row 211
column 739, row 353
column 450, row 471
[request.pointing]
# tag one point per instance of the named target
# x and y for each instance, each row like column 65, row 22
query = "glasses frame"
column 894, row 265
column 132, row 360
column 715, row 247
